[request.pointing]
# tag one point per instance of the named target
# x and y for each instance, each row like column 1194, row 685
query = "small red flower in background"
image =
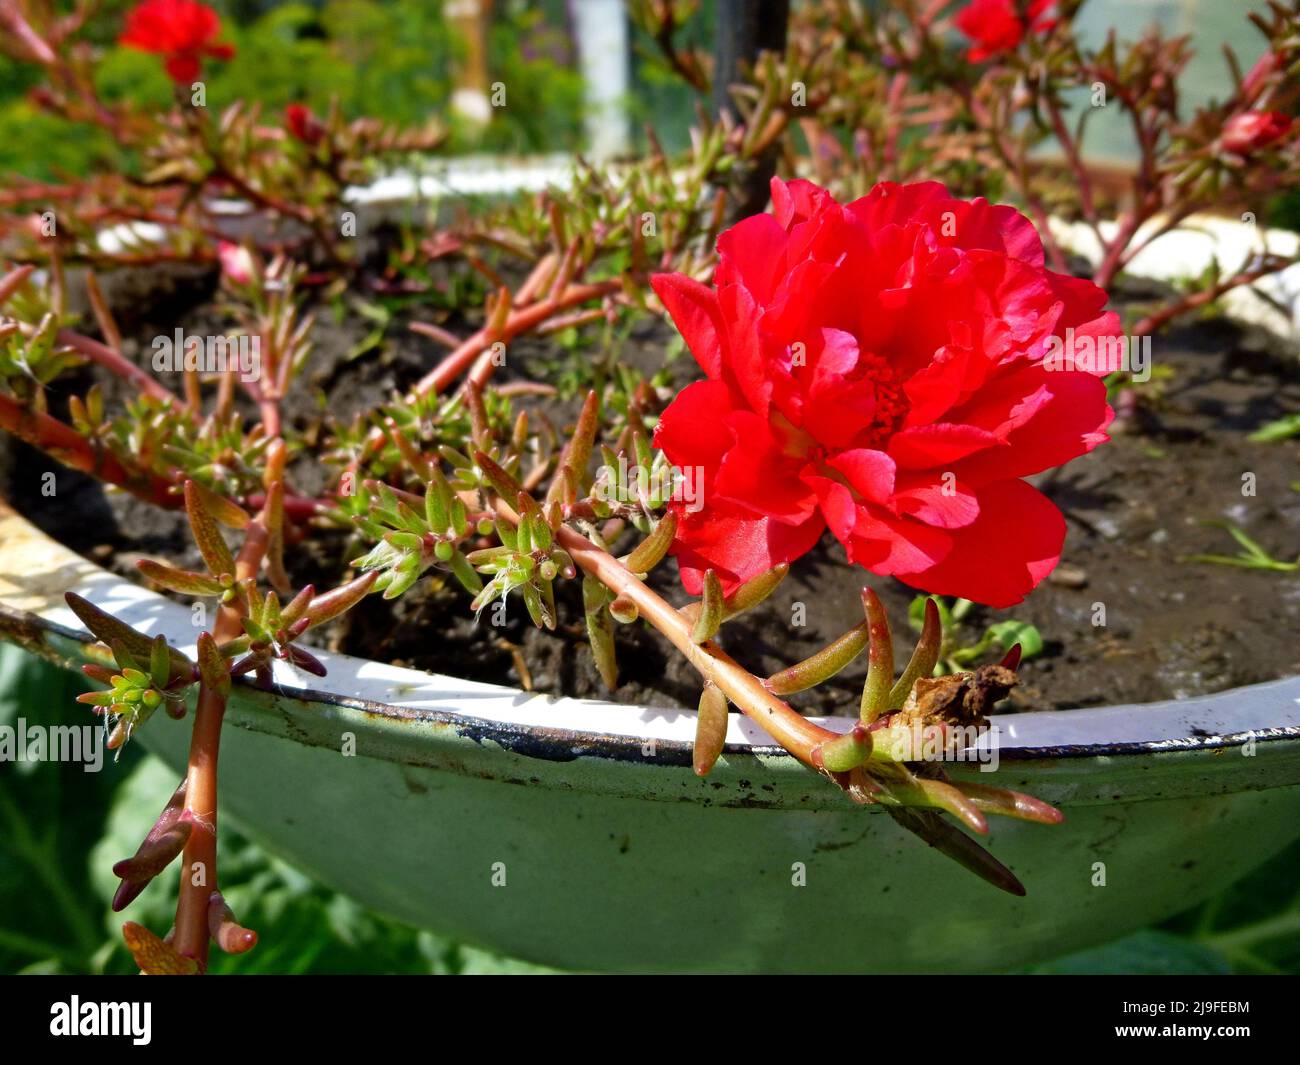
column 182, row 31
column 303, row 125
column 888, row 369
column 998, row 26
column 1248, row 132
column 236, row 262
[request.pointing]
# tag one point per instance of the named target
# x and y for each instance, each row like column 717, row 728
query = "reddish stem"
column 199, row 865
column 1017, row 170
column 1071, row 147
column 1113, row 260
column 778, row 719
column 62, row 442
column 116, row 363
column 520, row 321
column 1190, row 302
column 270, row 413
column 199, row 859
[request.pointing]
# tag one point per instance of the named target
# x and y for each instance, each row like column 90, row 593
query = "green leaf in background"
column 1282, row 429
column 1148, row 953
column 387, row 59
column 1009, row 633
column 51, row 815
column 954, row 655
column 61, row 830
column 916, row 612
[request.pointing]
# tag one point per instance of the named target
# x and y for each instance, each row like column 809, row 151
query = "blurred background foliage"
column 395, row 60
column 61, row 829
column 401, row 61
column 386, row 59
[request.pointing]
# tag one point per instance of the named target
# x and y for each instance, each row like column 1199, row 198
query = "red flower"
column 236, row 262
column 889, row 369
column 180, row 30
column 303, row 125
column 998, row 26
column 1252, row 130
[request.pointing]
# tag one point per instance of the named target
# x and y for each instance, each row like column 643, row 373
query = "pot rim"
column 558, row 728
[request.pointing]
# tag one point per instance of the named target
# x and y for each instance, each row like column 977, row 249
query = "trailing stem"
column 778, row 719
column 199, row 859
column 876, row 761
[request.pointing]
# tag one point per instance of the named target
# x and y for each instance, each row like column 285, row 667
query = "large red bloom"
column 997, row 26
column 182, row 31
column 888, row 369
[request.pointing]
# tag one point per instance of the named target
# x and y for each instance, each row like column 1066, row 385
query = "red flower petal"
column 929, row 446
column 797, row 201
column 179, row 30
column 761, row 471
column 752, row 253
column 997, row 26
column 694, row 310
column 937, row 498
column 747, row 367
column 869, row 473
column 183, row 68
column 891, row 204
column 839, row 411
column 874, row 538
column 999, row 558
column 693, row 430
column 738, row 545
column 1042, row 418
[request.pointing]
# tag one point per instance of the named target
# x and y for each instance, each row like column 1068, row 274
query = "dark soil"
column 1136, row 507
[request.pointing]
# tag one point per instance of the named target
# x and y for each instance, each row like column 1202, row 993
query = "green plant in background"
column 61, row 829
column 384, row 59
column 1283, row 428
column 1251, row 555
column 956, row 655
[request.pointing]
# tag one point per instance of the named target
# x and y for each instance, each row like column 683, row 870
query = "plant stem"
column 116, row 363
column 778, row 719
column 62, row 442
column 247, row 563
column 199, row 859
column 1191, row 302
column 520, row 321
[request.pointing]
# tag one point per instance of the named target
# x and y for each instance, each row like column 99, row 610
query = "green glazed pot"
column 575, row 833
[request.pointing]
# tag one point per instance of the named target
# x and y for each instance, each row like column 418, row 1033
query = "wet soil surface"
column 1127, row 618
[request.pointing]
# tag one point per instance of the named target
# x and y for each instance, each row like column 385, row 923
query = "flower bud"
column 1252, row 130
